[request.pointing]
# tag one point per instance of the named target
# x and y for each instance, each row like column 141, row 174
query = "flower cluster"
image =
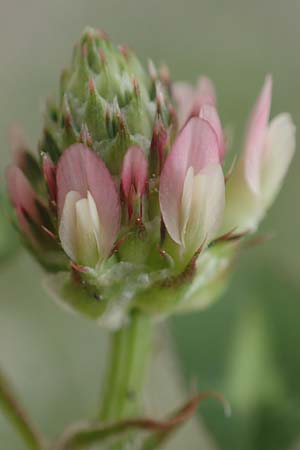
column 128, row 204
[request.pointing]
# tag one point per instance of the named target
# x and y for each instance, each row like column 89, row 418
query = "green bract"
column 110, row 296
column 107, row 100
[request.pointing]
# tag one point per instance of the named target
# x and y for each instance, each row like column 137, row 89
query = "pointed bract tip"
column 85, row 137
column 124, row 50
column 159, row 101
column 84, row 51
column 91, row 85
column 102, row 56
column 159, row 141
column 107, row 115
column 173, row 114
column 49, row 233
column 136, row 87
column 152, row 70
column 88, row 35
column 68, row 120
column 164, row 74
column 49, row 172
column 121, row 121
column 102, row 34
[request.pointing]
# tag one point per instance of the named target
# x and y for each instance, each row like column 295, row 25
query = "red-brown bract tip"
column 136, row 87
column 124, row 50
column 84, row 50
column 92, row 86
column 164, row 74
column 68, row 120
column 102, row 56
column 102, row 34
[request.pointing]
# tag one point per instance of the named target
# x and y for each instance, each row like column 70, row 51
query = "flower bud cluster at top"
column 129, row 193
column 108, row 101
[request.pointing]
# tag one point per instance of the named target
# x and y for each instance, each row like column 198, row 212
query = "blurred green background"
column 248, row 344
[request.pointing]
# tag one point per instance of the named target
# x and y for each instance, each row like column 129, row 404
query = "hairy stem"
column 128, row 357
column 18, row 417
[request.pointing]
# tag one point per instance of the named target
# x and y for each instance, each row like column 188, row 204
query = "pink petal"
column 24, row 200
column 17, row 144
column 183, row 94
column 206, row 91
column 49, row 171
column 196, row 146
column 21, row 193
column 204, row 95
column 24, row 225
column 134, row 171
column 255, row 137
column 81, row 170
column 190, row 100
column 210, row 114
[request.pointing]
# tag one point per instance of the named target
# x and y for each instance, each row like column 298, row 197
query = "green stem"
column 18, row 417
column 130, row 348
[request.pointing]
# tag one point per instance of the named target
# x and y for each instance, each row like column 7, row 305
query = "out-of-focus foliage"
column 8, row 236
column 247, row 347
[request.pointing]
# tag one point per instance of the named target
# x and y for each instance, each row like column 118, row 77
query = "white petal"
column 186, row 203
column 207, row 207
column 279, row 149
column 86, row 244
column 95, row 220
column 80, row 169
column 242, row 204
column 213, row 192
column 244, row 209
column 67, row 226
column 196, row 146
